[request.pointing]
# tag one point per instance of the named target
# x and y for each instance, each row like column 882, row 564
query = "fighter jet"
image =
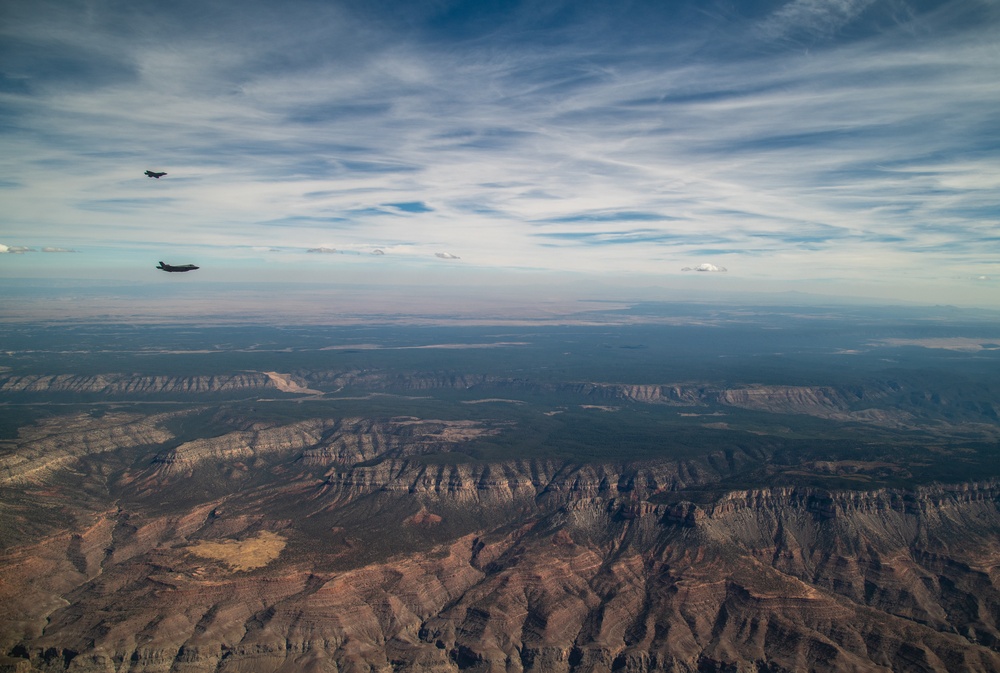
column 154, row 174
column 177, row 269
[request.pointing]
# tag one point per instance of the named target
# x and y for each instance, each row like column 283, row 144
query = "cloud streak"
column 793, row 142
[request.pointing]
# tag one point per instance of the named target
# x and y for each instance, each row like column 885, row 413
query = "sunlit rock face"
column 491, row 518
column 337, row 563
column 117, row 384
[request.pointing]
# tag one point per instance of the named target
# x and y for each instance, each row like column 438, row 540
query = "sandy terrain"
column 285, row 384
column 242, row 555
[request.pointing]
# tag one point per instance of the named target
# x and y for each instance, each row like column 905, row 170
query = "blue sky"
column 833, row 146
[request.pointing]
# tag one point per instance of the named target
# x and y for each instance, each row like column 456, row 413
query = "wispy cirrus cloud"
column 812, row 17
column 626, row 237
column 621, row 139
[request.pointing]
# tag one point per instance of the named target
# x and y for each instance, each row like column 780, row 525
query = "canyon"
column 354, row 554
column 420, row 512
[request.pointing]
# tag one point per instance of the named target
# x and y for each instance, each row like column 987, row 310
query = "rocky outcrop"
column 770, row 579
column 819, row 401
column 325, row 441
column 550, row 481
column 133, row 384
column 58, row 442
column 787, row 399
column 239, row 445
column 363, row 546
column 870, row 404
column 858, row 404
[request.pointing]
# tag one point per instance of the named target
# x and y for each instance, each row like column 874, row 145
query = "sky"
column 839, row 147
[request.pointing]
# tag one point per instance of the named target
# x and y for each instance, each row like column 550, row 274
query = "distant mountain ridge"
column 888, row 404
column 131, row 384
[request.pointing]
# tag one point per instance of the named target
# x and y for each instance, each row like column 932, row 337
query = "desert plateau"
column 577, row 498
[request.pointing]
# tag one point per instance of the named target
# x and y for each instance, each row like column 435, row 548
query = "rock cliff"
column 57, row 442
column 324, row 441
column 526, row 565
column 246, row 538
column 870, row 404
column 132, row 384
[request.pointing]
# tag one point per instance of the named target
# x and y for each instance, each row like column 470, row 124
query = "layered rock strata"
column 327, row 440
column 832, row 403
column 132, row 384
column 57, row 442
column 772, row 579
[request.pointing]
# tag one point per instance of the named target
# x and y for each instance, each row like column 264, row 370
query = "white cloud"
column 705, row 267
column 14, row 249
column 756, row 152
column 446, row 255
